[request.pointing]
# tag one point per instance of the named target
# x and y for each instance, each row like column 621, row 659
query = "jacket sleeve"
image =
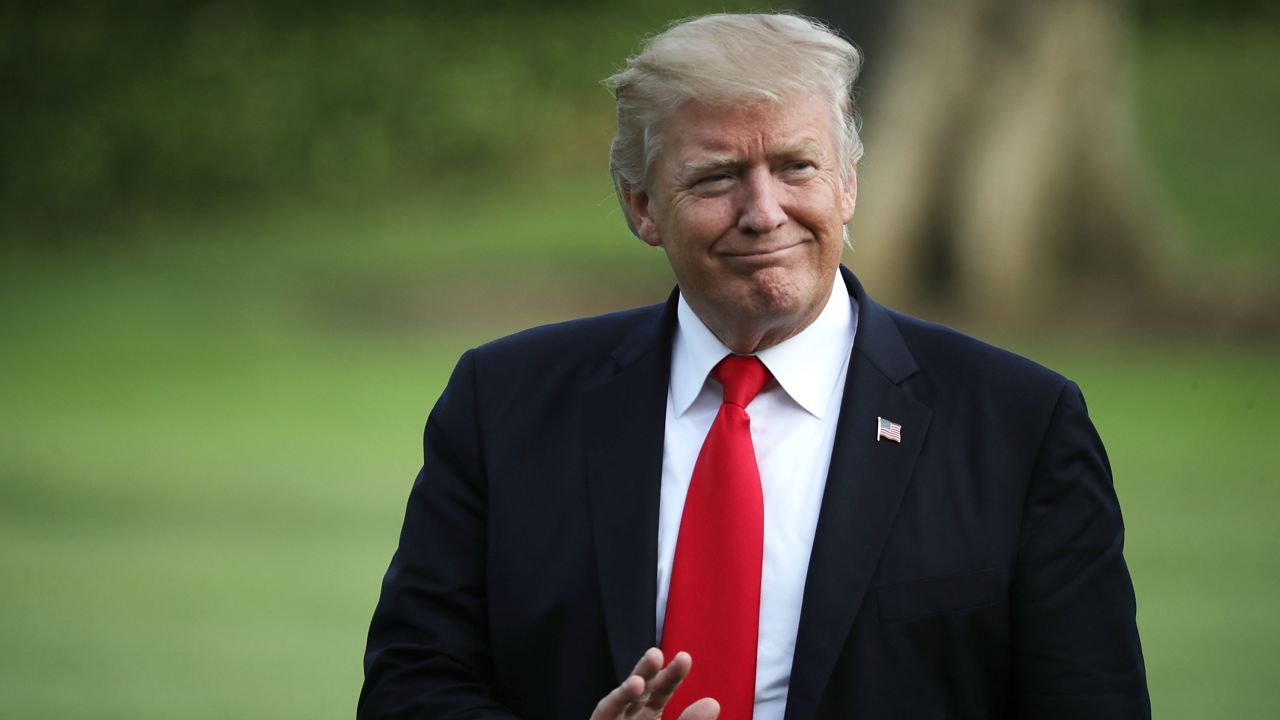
column 1076, row 652
column 428, row 653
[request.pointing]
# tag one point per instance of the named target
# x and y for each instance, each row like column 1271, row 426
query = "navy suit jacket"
column 973, row 570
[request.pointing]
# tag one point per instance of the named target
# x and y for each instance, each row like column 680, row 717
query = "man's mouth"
column 762, row 253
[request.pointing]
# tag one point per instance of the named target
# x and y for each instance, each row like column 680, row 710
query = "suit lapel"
column 624, row 422
column 865, row 486
column 624, row 419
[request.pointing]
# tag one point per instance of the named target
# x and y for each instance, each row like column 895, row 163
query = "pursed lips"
column 761, row 253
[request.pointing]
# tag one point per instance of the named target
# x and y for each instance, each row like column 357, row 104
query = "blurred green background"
column 241, row 247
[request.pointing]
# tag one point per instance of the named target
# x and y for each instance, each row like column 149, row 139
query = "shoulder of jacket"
column 599, row 332
column 947, row 352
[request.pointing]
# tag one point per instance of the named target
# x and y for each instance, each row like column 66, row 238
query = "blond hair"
column 725, row 59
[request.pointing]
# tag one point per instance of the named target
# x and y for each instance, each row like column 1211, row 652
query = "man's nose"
column 761, row 211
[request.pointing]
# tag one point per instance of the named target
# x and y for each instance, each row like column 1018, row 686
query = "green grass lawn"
column 206, row 446
column 1192, row 434
column 208, row 426
column 206, row 443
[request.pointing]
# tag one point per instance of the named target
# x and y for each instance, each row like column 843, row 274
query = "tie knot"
column 743, row 377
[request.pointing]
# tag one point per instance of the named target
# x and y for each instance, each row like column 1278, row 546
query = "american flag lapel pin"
column 886, row 430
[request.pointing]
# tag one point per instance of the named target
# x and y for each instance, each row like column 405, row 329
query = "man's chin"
column 777, row 290
column 772, row 308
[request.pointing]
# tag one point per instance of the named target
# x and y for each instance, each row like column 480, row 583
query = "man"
column 769, row 497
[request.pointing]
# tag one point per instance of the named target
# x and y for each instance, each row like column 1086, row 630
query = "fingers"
column 704, row 709
column 649, row 665
column 632, row 690
column 664, row 684
column 649, row 688
column 614, row 704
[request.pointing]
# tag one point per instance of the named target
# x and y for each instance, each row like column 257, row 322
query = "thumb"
column 704, row 709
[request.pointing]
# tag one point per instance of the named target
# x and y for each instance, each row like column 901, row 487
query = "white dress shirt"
column 793, row 428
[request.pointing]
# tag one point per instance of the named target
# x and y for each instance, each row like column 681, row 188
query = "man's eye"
column 715, row 180
column 800, row 166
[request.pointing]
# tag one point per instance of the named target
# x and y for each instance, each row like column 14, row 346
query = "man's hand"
column 644, row 694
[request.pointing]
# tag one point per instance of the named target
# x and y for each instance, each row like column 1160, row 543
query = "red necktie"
column 713, row 606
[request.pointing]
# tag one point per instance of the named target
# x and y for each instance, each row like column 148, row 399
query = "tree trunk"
column 1001, row 178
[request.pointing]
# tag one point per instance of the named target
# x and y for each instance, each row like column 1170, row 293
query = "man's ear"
column 849, row 198
column 637, row 202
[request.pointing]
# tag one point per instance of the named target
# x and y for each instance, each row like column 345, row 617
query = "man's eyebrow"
column 710, row 163
column 706, row 163
column 803, row 146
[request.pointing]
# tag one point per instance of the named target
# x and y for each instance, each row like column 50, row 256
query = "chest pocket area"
column 939, row 594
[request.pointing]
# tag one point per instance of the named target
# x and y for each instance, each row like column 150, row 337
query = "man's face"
column 749, row 205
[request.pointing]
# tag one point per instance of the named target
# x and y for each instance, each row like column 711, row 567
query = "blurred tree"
column 120, row 110
column 1001, row 176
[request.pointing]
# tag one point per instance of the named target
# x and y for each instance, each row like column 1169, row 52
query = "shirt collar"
column 806, row 366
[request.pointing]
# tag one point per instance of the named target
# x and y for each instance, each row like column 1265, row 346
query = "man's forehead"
column 721, row 150
column 726, row 126
column 705, row 146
